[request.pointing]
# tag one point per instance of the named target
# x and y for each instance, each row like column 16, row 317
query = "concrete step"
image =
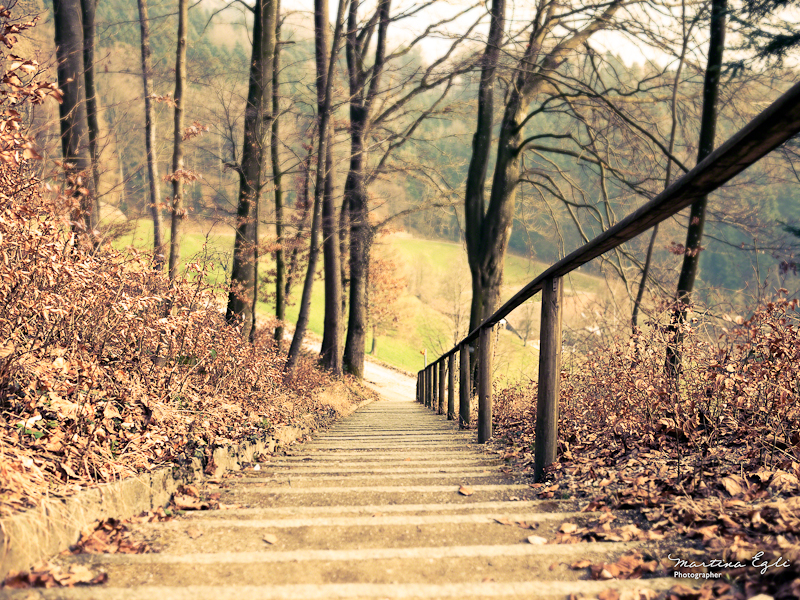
column 506, row 590
column 370, row 509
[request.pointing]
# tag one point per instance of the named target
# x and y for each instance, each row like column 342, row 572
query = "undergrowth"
column 713, row 457
column 106, row 368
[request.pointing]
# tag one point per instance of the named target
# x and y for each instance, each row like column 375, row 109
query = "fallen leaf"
column 568, row 528
column 581, row 564
column 734, row 484
column 194, row 532
column 537, row 540
column 270, row 538
column 182, row 502
column 80, row 574
column 465, row 491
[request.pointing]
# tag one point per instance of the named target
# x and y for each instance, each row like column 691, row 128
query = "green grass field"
column 436, row 296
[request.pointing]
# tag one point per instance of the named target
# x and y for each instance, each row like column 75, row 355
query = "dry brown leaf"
column 194, row 532
column 568, row 528
column 734, row 484
column 270, row 538
column 182, row 502
column 581, row 564
column 465, row 491
column 80, row 574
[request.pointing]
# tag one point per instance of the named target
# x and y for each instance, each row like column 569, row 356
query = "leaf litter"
column 716, row 468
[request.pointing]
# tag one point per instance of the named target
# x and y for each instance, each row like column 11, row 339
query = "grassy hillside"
column 433, row 311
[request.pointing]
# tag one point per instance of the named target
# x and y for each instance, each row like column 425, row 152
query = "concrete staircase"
column 369, row 509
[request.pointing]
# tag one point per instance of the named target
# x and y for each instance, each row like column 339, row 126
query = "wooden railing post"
column 416, row 392
column 549, row 375
column 434, row 387
column 464, row 387
column 427, row 376
column 440, row 407
column 485, row 385
column 430, row 387
column 451, row 393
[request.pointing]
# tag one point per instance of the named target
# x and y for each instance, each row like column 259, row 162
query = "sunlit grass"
column 433, row 270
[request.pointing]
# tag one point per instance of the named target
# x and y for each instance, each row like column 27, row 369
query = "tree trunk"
column 280, row 263
column 355, row 193
column 319, row 190
column 305, row 206
column 150, row 137
column 479, row 162
column 667, row 177
column 256, row 125
column 488, row 229
column 178, row 211
column 697, row 215
column 344, row 244
column 360, row 242
column 88, row 11
column 72, row 111
column 331, row 352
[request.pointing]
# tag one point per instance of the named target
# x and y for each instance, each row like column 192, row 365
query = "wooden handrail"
column 779, row 122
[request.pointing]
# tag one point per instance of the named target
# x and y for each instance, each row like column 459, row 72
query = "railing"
column 772, row 127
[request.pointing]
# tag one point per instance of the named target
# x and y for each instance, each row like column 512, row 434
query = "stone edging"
column 31, row 536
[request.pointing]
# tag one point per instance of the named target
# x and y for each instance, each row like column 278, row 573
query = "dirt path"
column 390, row 383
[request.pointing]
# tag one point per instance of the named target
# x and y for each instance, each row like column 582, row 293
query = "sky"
column 401, row 32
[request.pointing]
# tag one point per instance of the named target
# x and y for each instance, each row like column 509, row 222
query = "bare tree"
column 367, row 115
column 323, row 118
column 556, row 32
column 150, row 136
column 88, row 11
column 686, row 33
column 178, row 211
column 75, row 135
column 697, row 215
column 331, row 351
column 277, row 181
column 257, row 124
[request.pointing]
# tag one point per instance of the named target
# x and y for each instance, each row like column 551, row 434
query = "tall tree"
column 150, row 136
column 75, row 137
column 371, row 110
column 323, row 119
column 178, row 210
column 257, row 125
column 356, row 199
column 331, row 351
column 685, row 35
column 88, row 10
column 697, row 214
column 556, row 32
column 479, row 163
column 277, row 181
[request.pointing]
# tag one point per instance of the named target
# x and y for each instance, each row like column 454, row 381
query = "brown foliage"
column 106, row 369
column 714, row 458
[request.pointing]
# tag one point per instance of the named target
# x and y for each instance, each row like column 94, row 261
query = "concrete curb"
column 33, row 535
